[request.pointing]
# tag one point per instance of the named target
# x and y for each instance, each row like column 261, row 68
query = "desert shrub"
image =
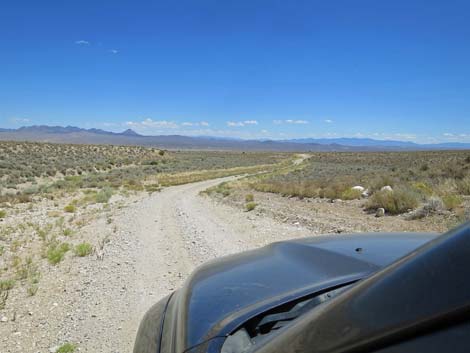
column 351, row 194
column 3, row 214
column 66, row 348
column 34, row 189
column 222, row 188
column 463, row 186
column 446, row 186
column 43, row 232
column 249, row 198
column 23, row 198
column 451, row 202
column 334, row 191
column 67, row 232
column 250, row 206
column 423, row 188
column 32, row 290
column 83, row 249
column 56, row 252
column 152, row 188
column 6, row 284
column 28, row 270
column 104, row 195
column 70, row 208
column 394, row 202
column 432, row 206
column 379, row 182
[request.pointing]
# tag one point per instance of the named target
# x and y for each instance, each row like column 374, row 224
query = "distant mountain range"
column 76, row 135
column 368, row 142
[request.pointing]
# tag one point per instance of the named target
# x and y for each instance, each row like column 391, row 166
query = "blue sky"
column 251, row 69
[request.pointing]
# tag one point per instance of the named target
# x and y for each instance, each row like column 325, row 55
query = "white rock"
column 3, row 319
column 386, row 188
column 365, row 193
column 380, row 212
column 358, row 188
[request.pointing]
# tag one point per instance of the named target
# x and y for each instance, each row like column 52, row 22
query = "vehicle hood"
column 222, row 294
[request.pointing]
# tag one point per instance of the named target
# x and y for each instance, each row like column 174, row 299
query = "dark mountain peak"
column 130, row 132
column 98, row 131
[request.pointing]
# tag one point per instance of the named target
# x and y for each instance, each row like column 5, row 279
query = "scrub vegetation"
column 29, row 169
column 419, row 183
column 50, row 193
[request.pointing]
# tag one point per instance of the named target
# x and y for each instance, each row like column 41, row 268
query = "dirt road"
column 161, row 239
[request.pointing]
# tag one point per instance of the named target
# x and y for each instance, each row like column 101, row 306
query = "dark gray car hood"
column 223, row 293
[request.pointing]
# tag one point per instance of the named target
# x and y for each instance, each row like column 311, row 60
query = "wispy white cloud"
column 241, row 123
column 200, row 123
column 456, row 137
column 114, row 51
column 289, row 121
column 235, row 123
column 328, row 121
column 16, row 120
column 82, row 42
column 150, row 123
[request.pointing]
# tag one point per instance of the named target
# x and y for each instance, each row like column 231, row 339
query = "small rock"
column 380, row 212
column 386, row 188
column 3, row 319
column 358, row 188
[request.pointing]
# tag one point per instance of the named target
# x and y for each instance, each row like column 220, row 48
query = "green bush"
column 451, row 202
column 56, row 252
column 34, row 189
column 249, row 198
column 334, row 190
column 83, row 249
column 351, row 194
column 104, row 195
column 66, row 348
column 6, row 284
column 70, row 208
column 423, row 188
column 394, row 202
column 3, row 214
column 464, row 186
column 67, row 232
column 250, row 206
